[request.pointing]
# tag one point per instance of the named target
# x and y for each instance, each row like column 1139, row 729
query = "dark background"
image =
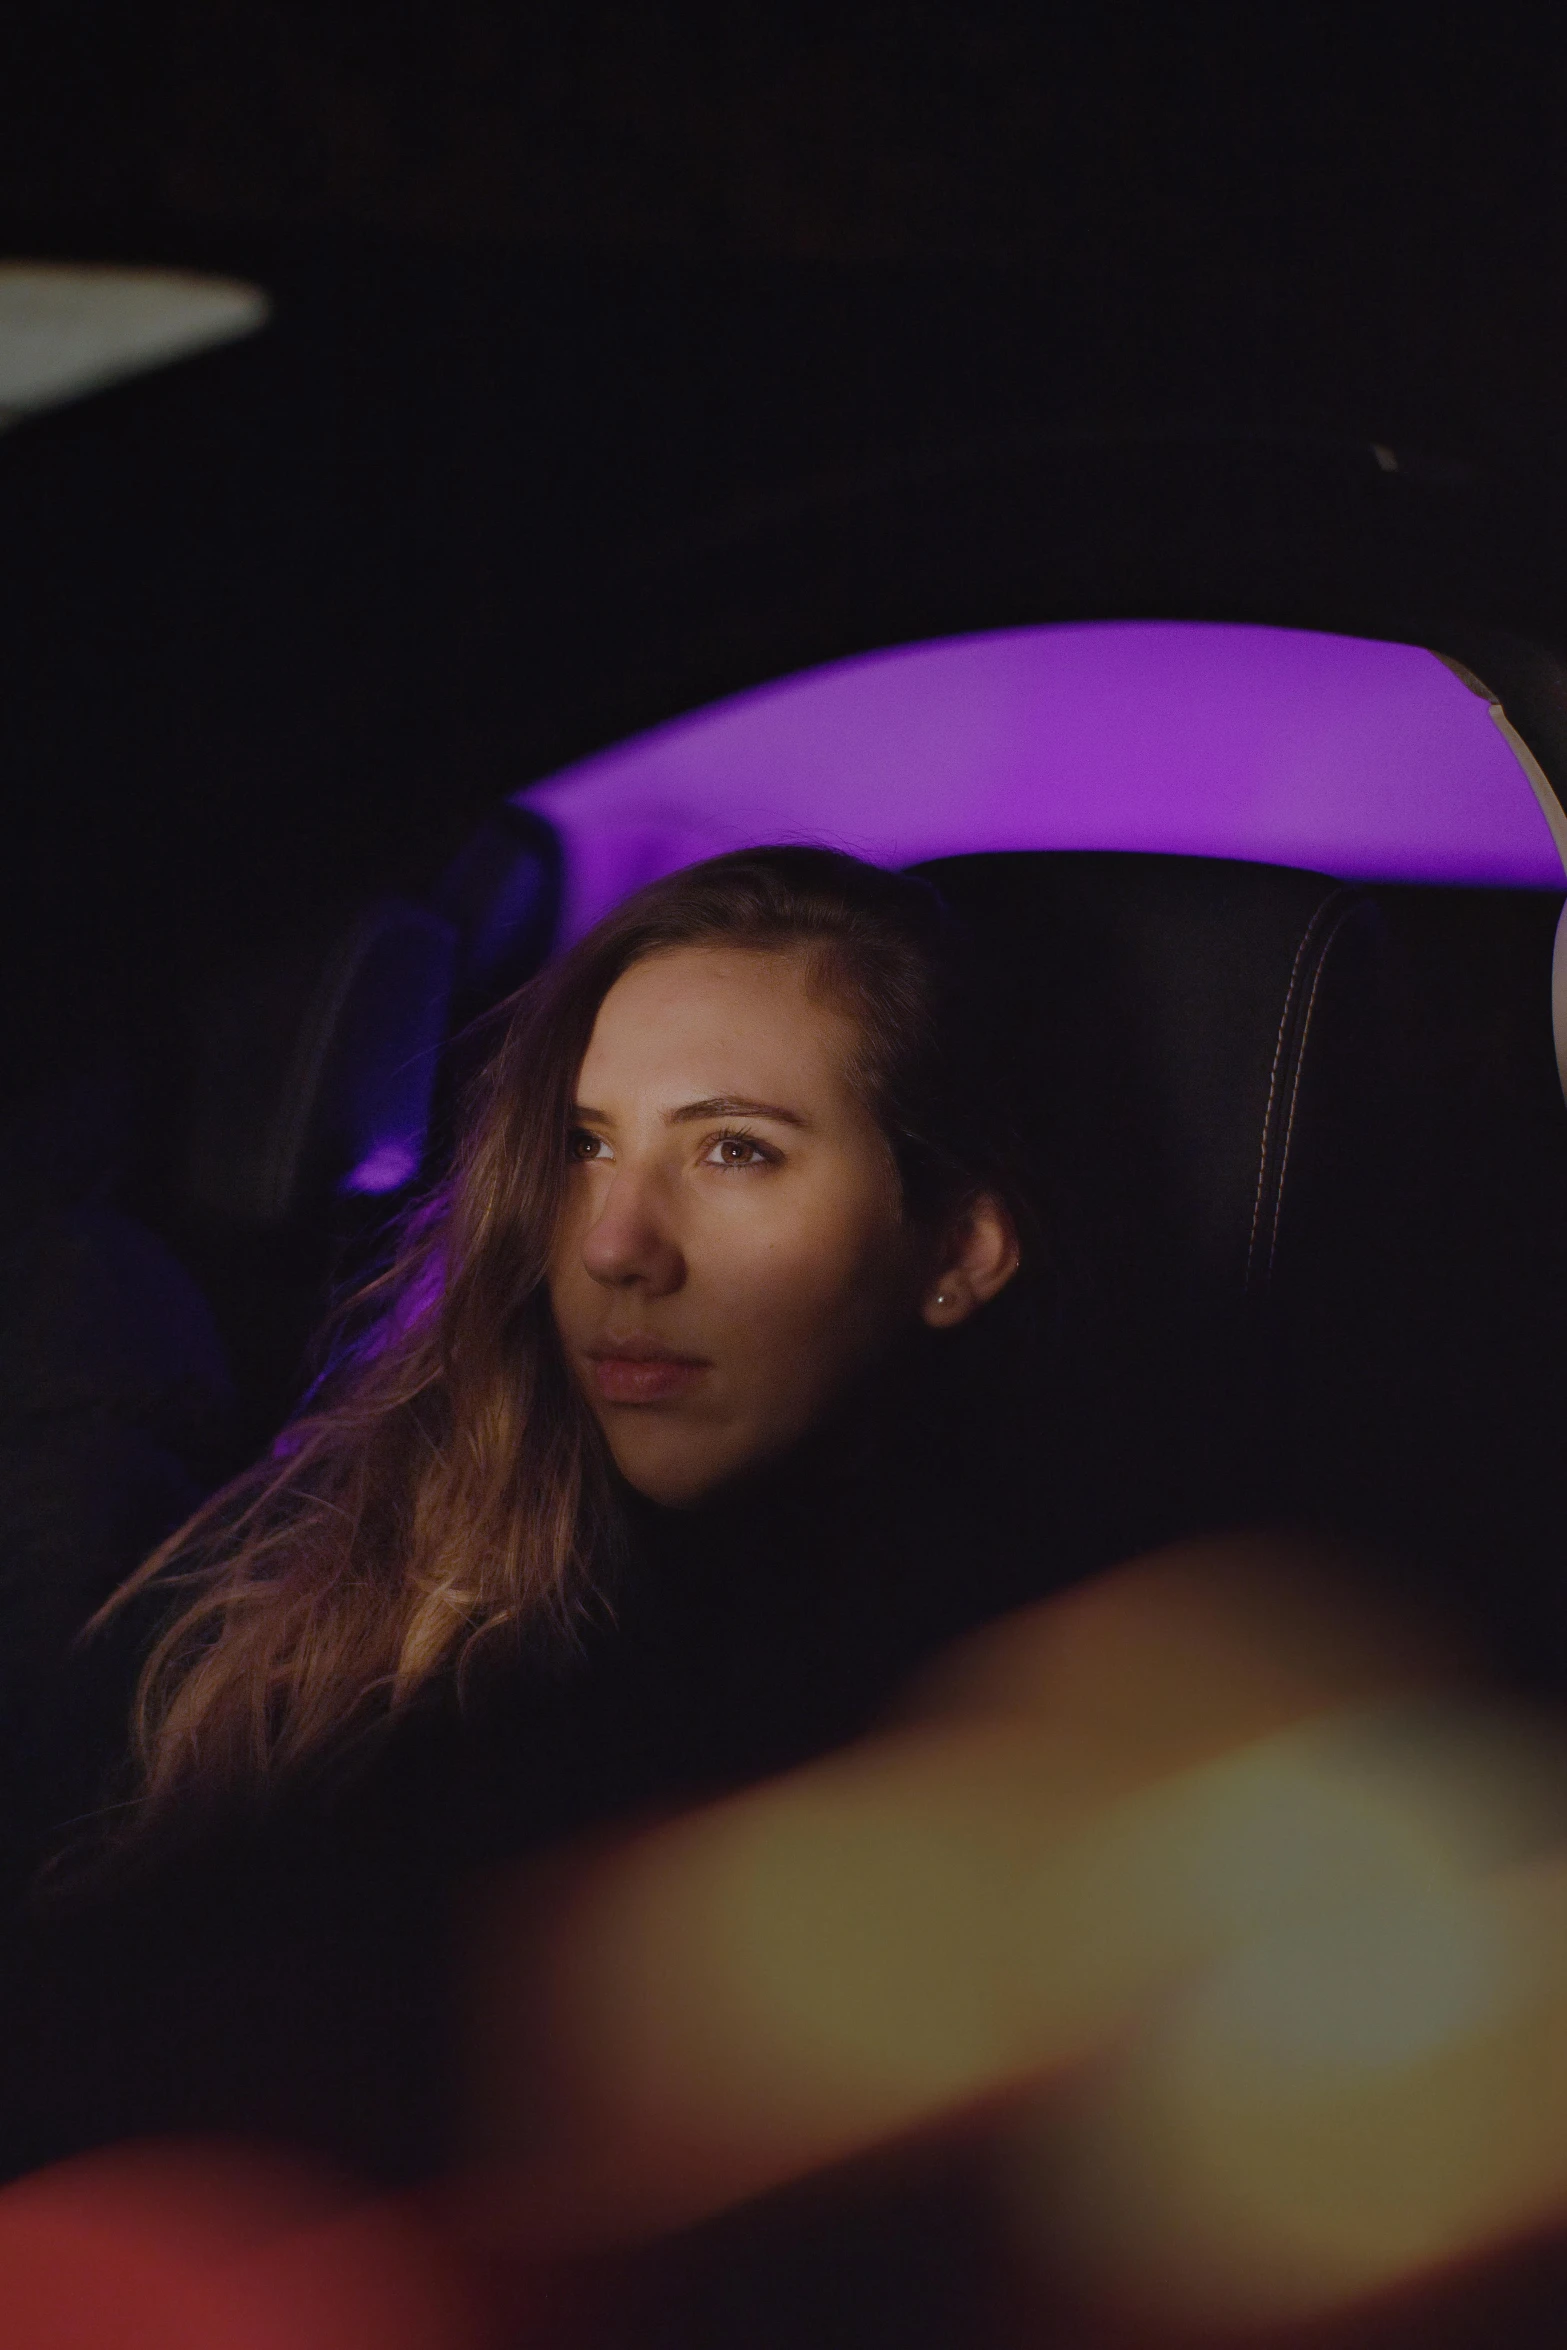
column 623, row 355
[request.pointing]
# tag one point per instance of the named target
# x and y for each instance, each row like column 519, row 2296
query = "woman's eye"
column 737, row 1150
column 582, row 1145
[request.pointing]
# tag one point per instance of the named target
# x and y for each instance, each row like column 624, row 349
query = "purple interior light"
column 387, row 1167
column 1358, row 758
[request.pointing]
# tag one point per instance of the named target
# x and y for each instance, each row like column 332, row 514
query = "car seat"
column 1302, row 1152
column 1199, row 1049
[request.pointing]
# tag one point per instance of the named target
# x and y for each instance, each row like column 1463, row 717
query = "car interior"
column 1297, row 1143
column 1298, row 1146
column 460, row 464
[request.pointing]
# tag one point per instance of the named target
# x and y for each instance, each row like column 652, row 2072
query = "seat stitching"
column 1273, row 1082
column 1300, row 1061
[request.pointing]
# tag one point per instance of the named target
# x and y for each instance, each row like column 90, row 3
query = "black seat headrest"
column 1180, row 1027
column 1198, row 1057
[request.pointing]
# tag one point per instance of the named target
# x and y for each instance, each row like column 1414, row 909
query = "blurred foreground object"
column 222, row 2247
column 68, row 328
column 1356, row 2099
column 1218, row 1909
column 1078, row 1808
column 1235, row 1905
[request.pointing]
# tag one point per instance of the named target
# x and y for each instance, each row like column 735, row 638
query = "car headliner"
column 1353, row 756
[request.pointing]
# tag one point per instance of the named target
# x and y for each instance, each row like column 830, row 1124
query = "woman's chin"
column 684, row 1477
column 680, row 1464
column 672, row 1481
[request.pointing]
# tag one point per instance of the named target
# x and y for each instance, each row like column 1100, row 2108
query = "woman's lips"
column 640, row 1378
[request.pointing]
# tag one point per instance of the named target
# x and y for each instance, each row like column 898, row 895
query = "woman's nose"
column 631, row 1240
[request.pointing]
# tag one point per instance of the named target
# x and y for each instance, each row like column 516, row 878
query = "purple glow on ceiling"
column 1357, row 758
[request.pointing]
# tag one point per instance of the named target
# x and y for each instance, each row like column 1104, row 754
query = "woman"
column 608, row 1499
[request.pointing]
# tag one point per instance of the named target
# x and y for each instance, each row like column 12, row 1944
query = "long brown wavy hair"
column 446, row 1488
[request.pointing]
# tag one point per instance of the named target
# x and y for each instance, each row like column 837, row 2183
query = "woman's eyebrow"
column 732, row 1105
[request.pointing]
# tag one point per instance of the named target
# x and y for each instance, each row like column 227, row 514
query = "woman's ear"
column 978, row 1256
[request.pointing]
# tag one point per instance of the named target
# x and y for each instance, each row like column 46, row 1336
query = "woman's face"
column 733, row 1249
